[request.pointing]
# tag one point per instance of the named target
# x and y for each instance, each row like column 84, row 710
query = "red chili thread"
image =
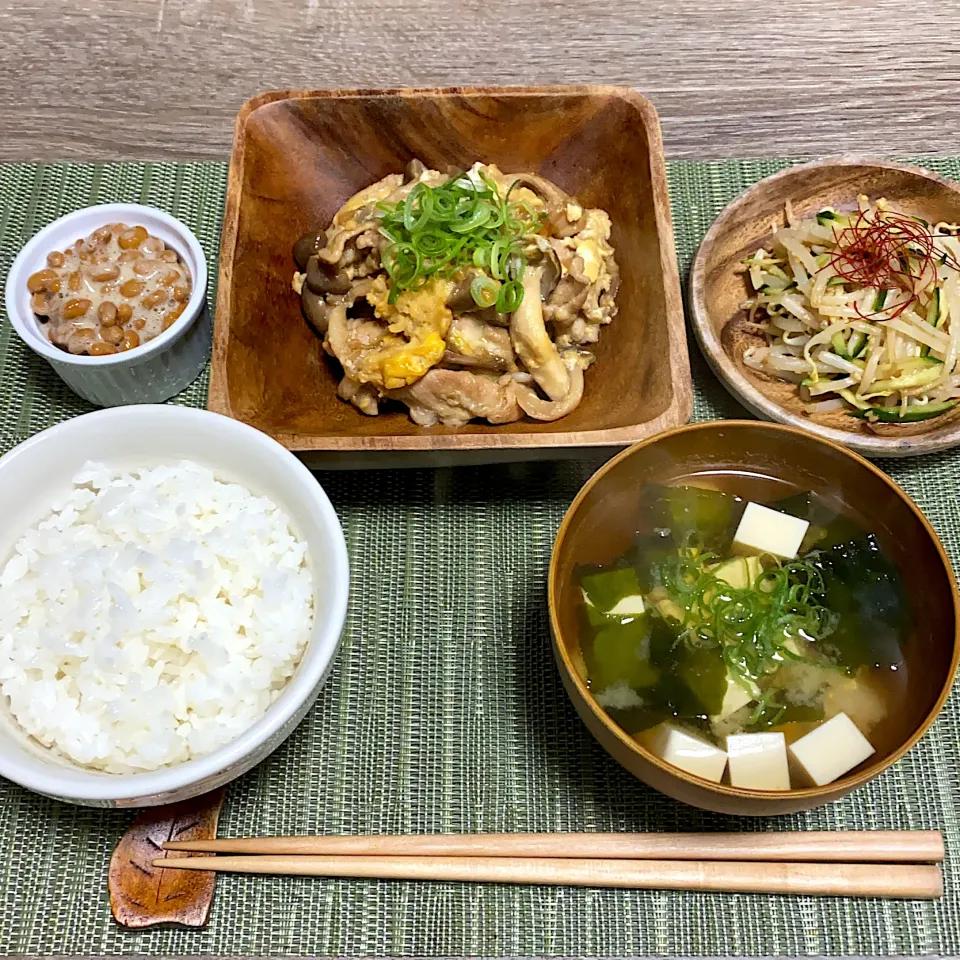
column 877, row 253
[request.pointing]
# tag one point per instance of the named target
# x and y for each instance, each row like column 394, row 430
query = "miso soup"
column 742, row 620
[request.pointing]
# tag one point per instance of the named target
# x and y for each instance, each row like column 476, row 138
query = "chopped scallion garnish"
column 438, row 230
column 510, row 296
column 484, row 290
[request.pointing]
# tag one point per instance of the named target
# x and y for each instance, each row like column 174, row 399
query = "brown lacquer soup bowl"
column 601, row 525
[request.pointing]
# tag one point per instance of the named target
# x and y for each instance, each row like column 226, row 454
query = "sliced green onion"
column 444, row 206
column 510, row 296
column 421, row 198
column 437, row 230
column 402, row 263
column 485, row 291
column 524, row 209
column 493, row 263
column 752, row 624
column 471, row 219
column 390, row 234
column 496, row 218
column 464, row 206
column 431, row 243
column 445, row 263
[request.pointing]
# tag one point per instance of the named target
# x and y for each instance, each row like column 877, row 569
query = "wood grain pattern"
column 143, row 893
column 892, row 881
column 299, row 155
column 839, row 846
column 719, row 286
column 600, row 525
column 119, row 79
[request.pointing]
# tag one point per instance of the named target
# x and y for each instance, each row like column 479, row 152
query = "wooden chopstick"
column 872, row 846
column 900, row 881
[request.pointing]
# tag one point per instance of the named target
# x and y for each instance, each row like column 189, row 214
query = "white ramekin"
column 151, row 373
column 38, row 471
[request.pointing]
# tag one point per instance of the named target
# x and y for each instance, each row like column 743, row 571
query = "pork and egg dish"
column 475, row 295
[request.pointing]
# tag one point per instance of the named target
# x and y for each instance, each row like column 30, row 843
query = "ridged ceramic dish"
column 154, row 372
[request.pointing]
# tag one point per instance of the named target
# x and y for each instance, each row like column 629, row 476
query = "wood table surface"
column 124, row 79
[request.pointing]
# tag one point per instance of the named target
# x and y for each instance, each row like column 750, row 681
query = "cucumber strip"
column 886, row 371
column 912, row 414
column 933, row 308
column 912, row 378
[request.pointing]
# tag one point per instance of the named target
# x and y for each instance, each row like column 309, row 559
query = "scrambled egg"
column 417, row 323
column 592, row 244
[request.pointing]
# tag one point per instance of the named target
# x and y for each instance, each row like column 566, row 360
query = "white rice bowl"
column 152, row 617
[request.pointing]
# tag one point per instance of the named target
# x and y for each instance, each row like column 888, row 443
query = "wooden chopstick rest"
column 142, row 896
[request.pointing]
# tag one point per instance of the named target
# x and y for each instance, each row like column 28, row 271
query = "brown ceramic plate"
column 600, row 526
column 718, row 287
column 298, row 155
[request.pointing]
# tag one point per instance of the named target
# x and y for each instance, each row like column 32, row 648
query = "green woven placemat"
column 445, row 711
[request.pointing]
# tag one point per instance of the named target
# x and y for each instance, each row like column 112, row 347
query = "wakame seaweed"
column 863, row 588
column 828, row 527
column 679, row 513
column 838, row 607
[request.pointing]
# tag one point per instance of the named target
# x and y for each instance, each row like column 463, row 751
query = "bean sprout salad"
column 861, row 310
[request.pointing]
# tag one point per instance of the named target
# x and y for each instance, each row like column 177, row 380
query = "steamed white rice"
column 151, row 617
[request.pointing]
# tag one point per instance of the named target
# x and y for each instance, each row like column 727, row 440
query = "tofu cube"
column 689, row 753
column 831, row 750
column 739, row 572
column 734, row 699
column 668, row 609
column 631, row 606
column 762, row 530
column 609, row 589
column 758, row 761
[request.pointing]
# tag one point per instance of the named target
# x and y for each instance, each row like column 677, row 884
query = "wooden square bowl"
column 298, row 155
